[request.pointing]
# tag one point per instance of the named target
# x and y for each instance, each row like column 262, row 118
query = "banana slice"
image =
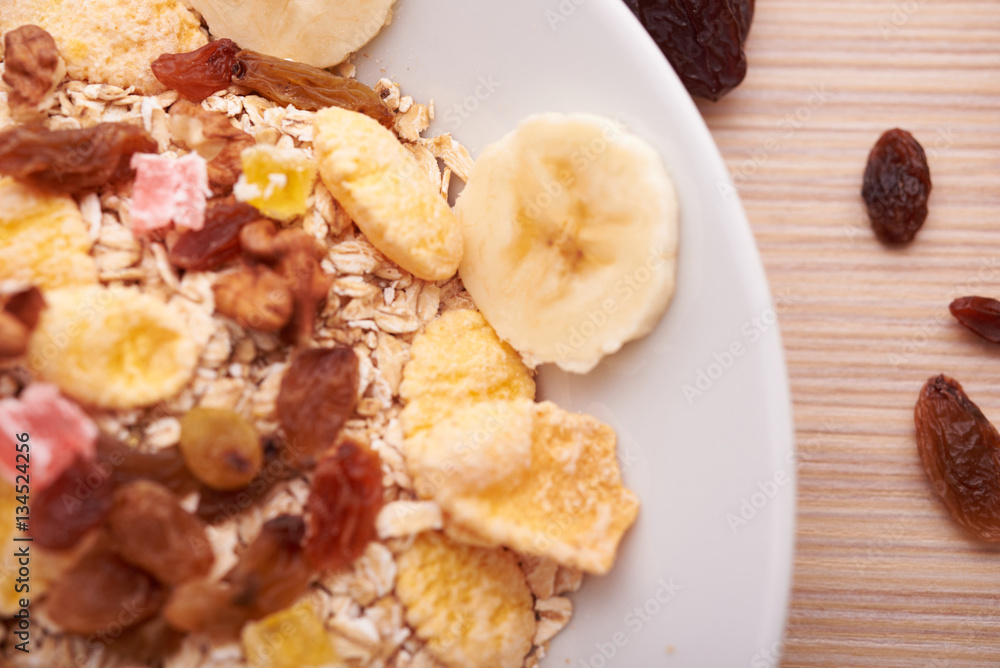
column 570, row 232
column 317, row 32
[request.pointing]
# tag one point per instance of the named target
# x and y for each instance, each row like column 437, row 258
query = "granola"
column 389, row 608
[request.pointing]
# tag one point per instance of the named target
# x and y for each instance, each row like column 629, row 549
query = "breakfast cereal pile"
column 491, row 506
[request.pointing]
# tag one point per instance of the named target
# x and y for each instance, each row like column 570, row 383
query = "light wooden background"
column 882, row 576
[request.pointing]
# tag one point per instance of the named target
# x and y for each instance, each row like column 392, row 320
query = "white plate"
column 703, row 577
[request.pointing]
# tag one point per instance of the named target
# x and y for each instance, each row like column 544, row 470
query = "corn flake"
column 533, row 477
column 471, row 605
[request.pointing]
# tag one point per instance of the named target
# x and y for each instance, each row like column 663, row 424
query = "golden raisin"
column 221, row 449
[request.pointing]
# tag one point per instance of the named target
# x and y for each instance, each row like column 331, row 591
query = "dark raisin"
column 199, row 73
column 960, row 451
column 702, row 39
column 318, row 393
column 979, row 314
column 75, row 502
column 101, row 594
column 126, row 464
column 896, row 187
column 72, row 161
column 219, row 240
column 344, row 500
column 151, row 530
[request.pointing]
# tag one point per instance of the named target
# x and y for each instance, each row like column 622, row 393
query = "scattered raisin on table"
column 979, row 314
column 344, row 500
column 318, row 393
column 960, row 451
column 72, row 161
column 199, row 73
column 896, row 186
column 702, row 39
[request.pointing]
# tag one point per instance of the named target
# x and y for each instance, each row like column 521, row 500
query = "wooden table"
column 882, row 576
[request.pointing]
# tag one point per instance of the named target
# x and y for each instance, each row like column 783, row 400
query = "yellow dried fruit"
column 387, row 193
column 110, row 41
column 533, row 477
column 115, row 348
column 276, row 181
column 471, row 605
column 43, row 239
column 292, row 638
column 458, row 359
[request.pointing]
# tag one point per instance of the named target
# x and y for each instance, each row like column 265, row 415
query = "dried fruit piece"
column 896, row 187
column 960, row 451
column 256, row 297
column 702, row 39
column 270, row 575
column 458, row 359
column 978, row 314
column 33, row 69
column 215, row 138
column 72, row 161
column 267, row 642
column 221, row 448
column 471, row 605
column 151, row 530
column 307, row 87
column 344, row 500
column 102, row 594
column 59, row 433
column 165, row 466
column 318, row 393
column 168, row 190
column 75, row 502
column 276, row 181
column 19, row 313
column 387, row 193
column 218, row 241
column 43, row 239
column 115, row 348
column 533, row 477
column 199, row 73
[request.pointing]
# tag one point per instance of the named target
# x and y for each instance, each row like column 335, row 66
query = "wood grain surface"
column 882, row 576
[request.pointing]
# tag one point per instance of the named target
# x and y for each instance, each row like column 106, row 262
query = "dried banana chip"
column 113, row 348
column 471, row 605
column 533, row 477
column 458, row 359
column 43, row 239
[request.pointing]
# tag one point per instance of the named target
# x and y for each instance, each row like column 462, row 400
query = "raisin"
column 72, row 161
column 75, row 502
column 702, row 39
column 165, row 466
column 218, row 505
column 101, row 594
column 344, row 500
column 979, row 314
column 218, row 241
column 318, row 393
column 270, row 575
column 199, row 73
column 151, row 530
column 221, row 448
column 960, row 451
column 307, row 87
column 896, row 186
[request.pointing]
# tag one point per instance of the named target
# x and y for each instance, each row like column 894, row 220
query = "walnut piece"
column 215, row 138
column 256, row 297
column 34, row 69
